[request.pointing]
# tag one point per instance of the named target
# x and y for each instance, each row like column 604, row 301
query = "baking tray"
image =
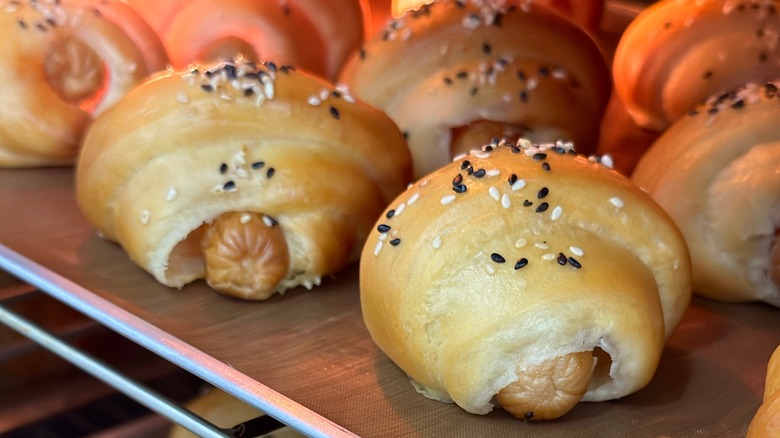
column 307, row 359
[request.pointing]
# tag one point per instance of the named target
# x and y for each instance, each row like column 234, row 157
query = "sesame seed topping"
column 479, row 173
column 572, row 261
column 521, row 243
column 395, row 241
column 561, row 259
column 436, row 242
column 314, row 101
column 171, row 195
column 542, row 245
column 413, row 198
column 378, row 248
column 390, row 214
column 334, row 112
column 494, row 193
column 229, row 186
column 556, row 213
column 548, row 256
column 460, row 188
column 383, row 228
column 546, row 166
column 457, row 180
column 527, row 203
column 446, row 200
column 257, row 165
column 223, row 168
column 542, row 207
column 496, row 257
column 617, row 202
column 400, row 209
column 512, row 179
column 517, row 185
column 493, row 172
column 521, row 263
column 542, row 193
column 270, row 172
column 505, row 201
column 577, row 251
column 245, row 218
column 145, row 216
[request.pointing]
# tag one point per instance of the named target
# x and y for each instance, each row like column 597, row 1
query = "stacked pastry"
column 455, row 74
column 547, row 279
column 312, row 35
column 61, row 64
column 256, row 177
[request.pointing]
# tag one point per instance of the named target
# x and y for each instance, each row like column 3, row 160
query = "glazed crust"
column 677, row 53
column 451, row 64
column 64, row 64
column 241, row 138
column 488, row 268
column 715, row 173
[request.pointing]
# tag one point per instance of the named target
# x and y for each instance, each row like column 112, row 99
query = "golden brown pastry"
column 457, row 73
column 586, row 13
column 312, row 35
column 62, row 63
column 525, row 273
column 257, row 178
column 676, row 53
column 765, row 423
column 715, row 172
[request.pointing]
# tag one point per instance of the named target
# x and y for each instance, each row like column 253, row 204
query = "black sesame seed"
column 229, row 186
column 561, row 259
column 692, row 113
column 479, row 173
column 258, row 165
column 447, row 81
column 270, row 172
column 336, row 94
column 473, row 91
column 248, row 92
column 523, row 96
column 521, row 263
column 271, row 66
column 207, row 88
column 528, row 415
column 270, row 220
column 470, row 170
column 514, row 149
column 542, row 207
column 539, row 156
column 465, row 164
column 512, row 179
column 457, row 180
column 223, row 168
column 460, row 188
column 546, row 166
column 231, row 71
column 544, row 71
column 22, row 24
column 41, row 27
column 486, row 48
column 527, row 203
column 521, row 75
column 738, row 104
column 390, row 214
column 574, row 262
column 543, row 192
column 383, row 228
column 763, row 56
column 712, row 111
column 770, row 89
column 395, row 241
column 334, row 112
column 496, row 257
column 462, row 75
column 286, row 69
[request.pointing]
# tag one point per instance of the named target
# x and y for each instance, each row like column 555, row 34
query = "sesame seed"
column 556, row 213
column 447, row 199
column 494, row 193
column 378, row 248
column 527, row 203
column 486, row 48
column 539, row 156
column 400, row 209
column 437, row 242
column 577, row 251
column 548, row 257
column 542, row 193
column 383, row 228
column 457, row 180
column 521, row 263
column 505, row 201
column 542, row 245
column 542, row 207
column 493, row 172
column 521, row 243
column 465, row 164
column 314, row 101
column 517, row 185
column 512, row 179
column 395, row 241
column 479, row 173
column 334, row 112
column 546, row 166
column 496, row 257
column 145, row 215
column 460, row 188
column 223, row 168
column 572, row 261
column 270, row 172
column 390, row 214
column 172, row 193
column 229, row 186
column 257, row 165
column 382, row 236
column 413, row 199
column 561, row 259
column 245, row 218
column 617, row 202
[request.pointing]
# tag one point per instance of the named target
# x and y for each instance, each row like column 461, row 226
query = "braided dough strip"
column 258, row 178
column 64, row 63
column 528, row 273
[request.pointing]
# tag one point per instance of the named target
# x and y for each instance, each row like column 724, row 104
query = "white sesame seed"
column 556, row 213
column 382, row 236
column 482, row 154
column 172, row 194
column 505, row 201
column 245, row 218
column 548, row 256
column 145, row 216
column 542, row 245
column 532, row 83
column 490, row 269
column 268, row 221
column 324, row 94
column 314, row 101
column 524, row 143
column 413, row 198
column 617, row 202
column 521, row 243
column 446, row 200
column 576, row 250
column 519, row 184
column 400, row 210
column 183, row 98
column 459, row 157
column 378, row 248
column 493, row 172
column 607, row 161
column 425, row 182
column 437, row 242
column 494, row 193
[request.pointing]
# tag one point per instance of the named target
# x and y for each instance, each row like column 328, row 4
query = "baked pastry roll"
column 715, row 172
column 765, row 423
column 525, row 273
column 457, row 73
column 312, row 35
column 257, row 178
column 61, row 64
column 676, row 53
